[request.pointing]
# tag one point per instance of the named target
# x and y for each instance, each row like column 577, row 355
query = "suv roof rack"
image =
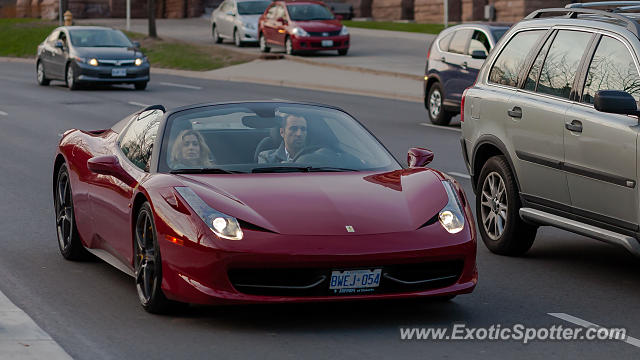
column 573, row 12
column 601, row 3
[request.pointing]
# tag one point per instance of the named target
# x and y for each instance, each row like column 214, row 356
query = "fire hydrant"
column 68, row 18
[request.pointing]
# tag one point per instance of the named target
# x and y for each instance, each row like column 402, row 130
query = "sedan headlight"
column 93, row 62
column 451, row 216
column 344, row 30
column 138, row 61
column 223, row 225
column 298, row 31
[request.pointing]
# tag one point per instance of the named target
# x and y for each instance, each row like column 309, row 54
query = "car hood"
column 253, row 19
column 319, row 25
column 107, row 53
column 326, row 203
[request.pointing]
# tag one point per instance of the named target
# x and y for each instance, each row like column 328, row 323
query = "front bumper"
column 103, row 73
column 314, row 43
column 210, row 274
column 248, row 35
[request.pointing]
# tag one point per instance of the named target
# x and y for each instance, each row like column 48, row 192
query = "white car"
column 237, row 20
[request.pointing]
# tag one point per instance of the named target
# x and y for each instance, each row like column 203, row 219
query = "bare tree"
column 151, row 12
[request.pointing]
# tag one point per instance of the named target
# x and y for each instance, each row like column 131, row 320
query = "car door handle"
column 516, row 112
column 464, row 65
column 443, row 59
column 575, row 126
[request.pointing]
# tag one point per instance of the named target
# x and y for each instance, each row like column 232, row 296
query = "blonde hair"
column 176, row 159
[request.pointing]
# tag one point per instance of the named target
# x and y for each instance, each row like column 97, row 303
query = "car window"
column 479, row 41
column 99, row 38
column 612, row 68
column 459, row 42
column 137, row 142
column 562, row 61
column 498, row 33
column 534, row 73
column 506, row 69
column 304, row 12
column 252, row 7
column 444, row 42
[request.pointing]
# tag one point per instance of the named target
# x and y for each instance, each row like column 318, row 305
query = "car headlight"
column 250, row 26
column 93, row 62
column 344, row 30
column 223, row 225
column 298, row 31
column 451, row 216
column 138, row 61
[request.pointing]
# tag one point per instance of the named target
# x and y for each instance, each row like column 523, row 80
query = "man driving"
column 293, row 130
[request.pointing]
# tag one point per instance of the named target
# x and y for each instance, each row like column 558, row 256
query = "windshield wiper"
column 204, row 171
column 285, row 169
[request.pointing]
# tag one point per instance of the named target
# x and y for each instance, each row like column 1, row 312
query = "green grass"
column 20, row 37
column 396, row 26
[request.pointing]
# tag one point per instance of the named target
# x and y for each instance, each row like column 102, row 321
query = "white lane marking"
column 137, row 104
column 584, row 323
column 2, row 113
column 22, row 338
column 457, row 174
column 181, row 85
column 442, row 127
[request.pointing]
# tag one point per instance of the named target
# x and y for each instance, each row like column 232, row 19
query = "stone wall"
column 473, row 10
column 431, row 11
column 84, row 9
column 513, row 11
column 118, row 8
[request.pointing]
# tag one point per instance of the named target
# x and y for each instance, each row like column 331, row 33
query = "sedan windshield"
column 304, row 12
column 269, row 138
column 98, row 38
column 252, row 7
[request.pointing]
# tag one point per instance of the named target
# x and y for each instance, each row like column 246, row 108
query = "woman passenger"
column 190, row 151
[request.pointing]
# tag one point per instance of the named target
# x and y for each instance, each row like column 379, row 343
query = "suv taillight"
column 464, row 95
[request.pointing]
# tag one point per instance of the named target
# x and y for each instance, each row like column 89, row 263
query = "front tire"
column 216, row 37
column 343, row 52
column 288, row 46
column 263, row 44
column 40, row 75
column 497, row 210
column 68, row 237
column 148, row 263
column 140, row 85
column 437, row 114
column 72, row 84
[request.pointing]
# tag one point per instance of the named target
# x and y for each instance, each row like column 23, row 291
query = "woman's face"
column 190, row 147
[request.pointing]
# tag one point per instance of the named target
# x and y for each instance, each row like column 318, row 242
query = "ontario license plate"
column 118, row 72
column 354, row 281
column 327, row 43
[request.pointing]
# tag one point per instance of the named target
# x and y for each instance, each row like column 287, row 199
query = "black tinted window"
column 252, row 7
column 305, row 12
column 561, row 64
column 444, row 42
column 99, row 38
column 137, row 142
column 532, row 79
column 511, row 60
column 612, row 68
column 479, row 41
column 459, row 41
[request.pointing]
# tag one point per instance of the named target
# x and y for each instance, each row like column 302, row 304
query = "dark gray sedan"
column 90, row 54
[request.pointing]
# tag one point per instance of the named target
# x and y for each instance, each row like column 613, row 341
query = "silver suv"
column 550, row 128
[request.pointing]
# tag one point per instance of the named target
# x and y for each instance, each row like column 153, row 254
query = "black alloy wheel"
column 148, row 264
column 41, row 77
column 68, row 238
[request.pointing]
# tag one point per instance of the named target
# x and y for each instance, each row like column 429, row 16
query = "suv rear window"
column 444, row 42
column 459, row 42
column 506, row 69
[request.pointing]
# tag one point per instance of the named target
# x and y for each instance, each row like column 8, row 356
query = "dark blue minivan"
column 453, row 62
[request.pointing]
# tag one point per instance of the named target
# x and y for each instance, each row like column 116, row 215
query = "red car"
column 260, row 202
column 301, row 26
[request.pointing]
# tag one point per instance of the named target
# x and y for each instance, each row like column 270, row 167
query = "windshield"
column 269, row 137
column 302, row 12
column 99, row 38
column 252, row 7
column 498, row 33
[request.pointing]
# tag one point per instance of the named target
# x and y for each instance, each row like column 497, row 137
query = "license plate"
column 118, row 72
column 327, row 43
column 354, row 281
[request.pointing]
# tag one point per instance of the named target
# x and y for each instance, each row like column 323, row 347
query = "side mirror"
column 136, row 44
column 419, row 157
column 479, row 54
column 59, row 44
column 615, row 102
column 230, row 13
column 109, row 165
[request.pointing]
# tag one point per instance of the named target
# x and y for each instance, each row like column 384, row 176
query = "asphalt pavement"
column 91, row 309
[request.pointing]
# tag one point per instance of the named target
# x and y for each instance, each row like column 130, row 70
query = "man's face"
column 294, row 133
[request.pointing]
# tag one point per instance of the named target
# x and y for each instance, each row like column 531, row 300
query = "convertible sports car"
column 260, row 202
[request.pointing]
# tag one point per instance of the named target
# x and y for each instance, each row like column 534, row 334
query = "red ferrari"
column 260, row 202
